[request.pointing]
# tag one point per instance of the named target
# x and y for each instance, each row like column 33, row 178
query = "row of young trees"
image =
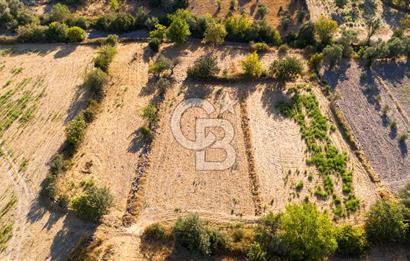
column 301, row 232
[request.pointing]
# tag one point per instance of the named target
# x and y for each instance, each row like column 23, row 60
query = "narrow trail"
column 25, row 197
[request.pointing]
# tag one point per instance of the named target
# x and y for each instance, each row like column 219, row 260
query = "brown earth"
column 363, row 94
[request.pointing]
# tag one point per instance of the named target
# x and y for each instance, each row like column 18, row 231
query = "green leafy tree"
column 159, row 33
column 252, row 66
column 215, row 33
column 286, row 69
column 346, row 40
column 308, row 234
column 93, row 203
column 351, row 241
column 57, row 32
column 178, row 31
column 325, row 29
column 373, row 25
column 386, row 222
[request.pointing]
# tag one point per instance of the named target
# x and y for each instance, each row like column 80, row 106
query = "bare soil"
column 363, row 96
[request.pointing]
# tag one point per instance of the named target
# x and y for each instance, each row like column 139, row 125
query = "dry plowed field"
column 39, row 94
column 363, row 96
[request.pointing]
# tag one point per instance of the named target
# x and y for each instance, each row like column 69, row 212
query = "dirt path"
column 25, row 197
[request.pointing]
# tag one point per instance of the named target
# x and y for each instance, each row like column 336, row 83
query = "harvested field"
column 363, row 97
column 281, row 158
column 40, row 93
column 202, row 7
column 109, row 153
column 355, row 14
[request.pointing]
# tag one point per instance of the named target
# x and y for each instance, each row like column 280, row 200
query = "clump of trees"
column 54, row 32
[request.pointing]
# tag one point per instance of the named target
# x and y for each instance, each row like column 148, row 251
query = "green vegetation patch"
column 328, row 160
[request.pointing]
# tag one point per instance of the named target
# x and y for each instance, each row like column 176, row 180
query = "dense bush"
column 75, row 131
column 215, row 33
column 325, row 29
column 306, row 35
column 79, row 21
column 346, row 40
column 57, row 32
column 111, row 39
column 205, row 67
column 90, row 111
column 259, row 47
column 75, row 34
column 307, row 233
column 121, row 22
column 154, row 44
column 96, row 81
column 104, row 58
column 386, row 223
column 192, row 233
column 315, row 61
column 252, row 66
column 93, row 203
column 14, row 14
column 256, row 253
column 286, row 69
column 178, row 30
column 31, row 33
column 351, row 241
column 332, row 55
column 156, row 232
column 59, row 13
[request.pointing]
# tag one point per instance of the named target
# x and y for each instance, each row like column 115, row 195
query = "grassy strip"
column 95, row 82
column 328, row 160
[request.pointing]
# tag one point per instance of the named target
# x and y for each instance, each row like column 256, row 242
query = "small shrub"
column 299, row 186
column 325, row 28
column 351, row 241
column 252, row 66
column 259, row 47
column 315, row 61
column 286, row 69
column 162, row 64
column 403, row 137
column 283, row 49
column 333, row 54
column 156, row 232
column 75, row 131
column 154, row 44
column 146, row 131
column 111, row 39
column 150, row 113
column 256, row 253
column 93, row 203
column 385, row 223
column 75, row 34
column 90, row 111
column 405, row 195
column 261, row 11
column 204, row 68
column 96, row 81
column 105, row 55
column 58, row 164
column 79, row 21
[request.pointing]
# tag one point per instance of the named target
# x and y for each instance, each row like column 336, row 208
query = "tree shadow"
column 66, row 240
column 138, row 141
column 80, row 102
column 270, row 99
column 65, row 50
column 338, row 74
column 403, row 148
column 393, row 72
